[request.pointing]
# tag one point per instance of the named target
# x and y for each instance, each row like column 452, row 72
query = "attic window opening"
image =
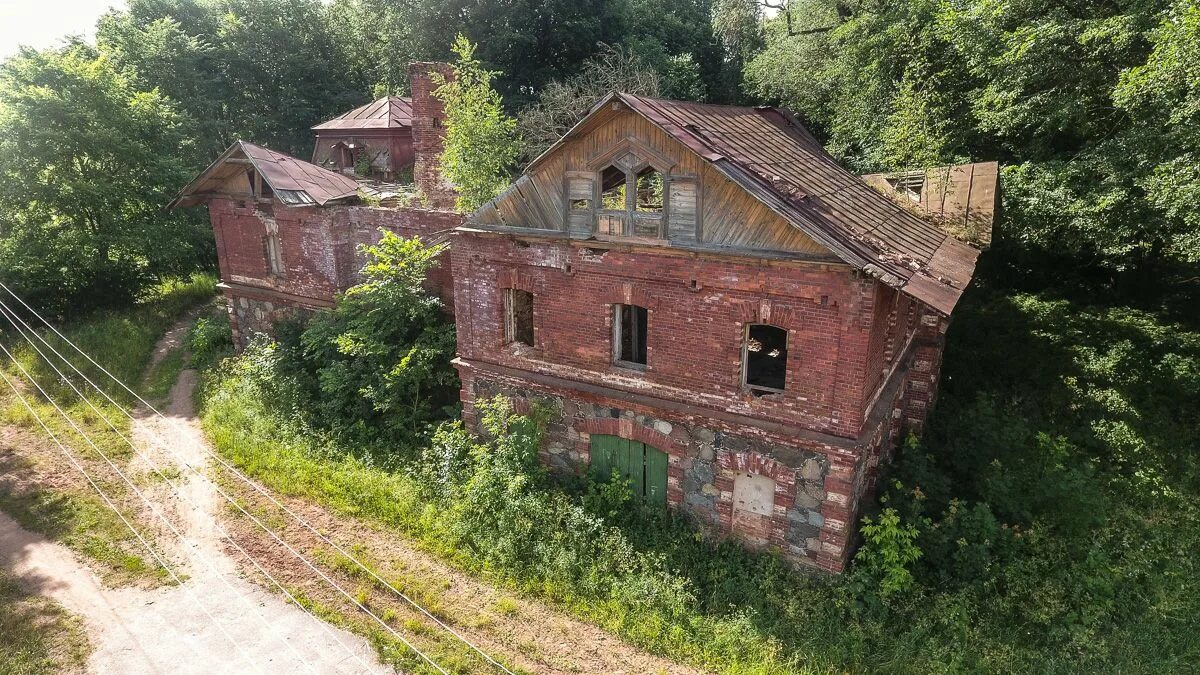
column 649, row 191
column 518, row 317
column 612, row 189
column 764, row 359
column 629, row 335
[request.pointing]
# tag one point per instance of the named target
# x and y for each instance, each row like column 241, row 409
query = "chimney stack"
column 429, row 133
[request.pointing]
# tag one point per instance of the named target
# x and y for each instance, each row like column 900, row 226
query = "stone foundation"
column 794, row 493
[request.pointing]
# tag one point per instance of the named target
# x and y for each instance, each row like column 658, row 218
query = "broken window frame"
column 635, row 223
column 515, row 331
column 756, row 388
column 274, row 255
column 639, row 319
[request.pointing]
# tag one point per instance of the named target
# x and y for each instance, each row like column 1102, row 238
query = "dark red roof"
column 389, row 112
column 773, row 157
column 294, row 181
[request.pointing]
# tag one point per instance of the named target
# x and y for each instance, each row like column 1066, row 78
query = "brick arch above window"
column 629, row 294
column 519, row 279
column 753, row 462
column 630, row 430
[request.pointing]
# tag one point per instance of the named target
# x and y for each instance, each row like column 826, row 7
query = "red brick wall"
column 429, row 132
column 698, row 307
column 319, row 247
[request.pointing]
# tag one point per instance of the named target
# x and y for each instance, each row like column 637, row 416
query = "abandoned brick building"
column 703, row 299
column 288, row 231
column 708, row 303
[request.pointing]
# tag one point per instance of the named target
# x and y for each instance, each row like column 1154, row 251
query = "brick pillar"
column 924, row 370
column 429, row 132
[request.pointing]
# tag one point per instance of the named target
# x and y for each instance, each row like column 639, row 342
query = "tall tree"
column 1065, row 95
column 263, row 70
column 87, row 162
column 481, row 140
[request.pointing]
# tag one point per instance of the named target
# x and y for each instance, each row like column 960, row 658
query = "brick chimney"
column 429, row 132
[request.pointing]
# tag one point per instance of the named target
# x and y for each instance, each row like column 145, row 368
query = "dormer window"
column 632, row 199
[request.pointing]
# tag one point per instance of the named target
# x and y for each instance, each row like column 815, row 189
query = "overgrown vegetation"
column 37, row 635
column 481, row 140
column 1045, row 523
column 375, row 370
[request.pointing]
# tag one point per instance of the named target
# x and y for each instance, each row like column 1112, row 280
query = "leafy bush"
column 375, row 370
column 209, row 340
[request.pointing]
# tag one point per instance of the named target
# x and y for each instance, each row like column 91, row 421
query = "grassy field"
column 43, row 492
column 1055, row 496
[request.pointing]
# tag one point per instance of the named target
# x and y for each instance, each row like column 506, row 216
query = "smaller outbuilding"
column 373, row 141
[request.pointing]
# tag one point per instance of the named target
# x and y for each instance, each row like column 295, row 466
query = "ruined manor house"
column 703, row 298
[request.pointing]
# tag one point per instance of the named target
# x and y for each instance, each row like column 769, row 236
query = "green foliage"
column 887, row 553
column 209, row 340
column 377, row 367
column 1092, row 107
column 481, row 141
column 261, row 70
column 88, row 160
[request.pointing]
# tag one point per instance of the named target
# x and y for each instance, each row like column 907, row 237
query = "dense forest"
column 1047, row 521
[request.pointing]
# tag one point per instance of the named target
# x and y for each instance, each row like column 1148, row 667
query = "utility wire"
column 249, row 482
column 231, row 500
column 13, row 318
column 237, row 646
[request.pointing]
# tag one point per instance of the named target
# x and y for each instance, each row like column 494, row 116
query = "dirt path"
column 216, row 621
column 167, row 629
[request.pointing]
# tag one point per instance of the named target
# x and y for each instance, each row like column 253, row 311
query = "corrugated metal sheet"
column 389, row 112
column 294, row 181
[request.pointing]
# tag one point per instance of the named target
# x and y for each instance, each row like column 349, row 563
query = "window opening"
column 649, row 190
column 629, row 325
column 274, row 254
column 612, row 189
column 765, row 358
column 581, row 204
column 518, row 324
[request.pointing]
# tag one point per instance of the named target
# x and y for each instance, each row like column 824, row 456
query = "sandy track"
column 216, row 621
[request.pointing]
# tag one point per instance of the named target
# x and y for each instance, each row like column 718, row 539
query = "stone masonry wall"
column 817, row 483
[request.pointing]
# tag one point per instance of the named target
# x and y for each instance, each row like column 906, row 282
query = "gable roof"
column 294, row 181
column 389, row 112
column 775, row 159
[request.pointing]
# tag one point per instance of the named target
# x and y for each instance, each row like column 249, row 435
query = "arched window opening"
column 518, row 317
column 612, row 189
column 764, row 358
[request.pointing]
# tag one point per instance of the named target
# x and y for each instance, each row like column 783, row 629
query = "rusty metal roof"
column 389, row 112
column 773, row 157
column 293, row 181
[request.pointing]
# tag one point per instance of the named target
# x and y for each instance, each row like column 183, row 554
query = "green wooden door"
column 644, row 467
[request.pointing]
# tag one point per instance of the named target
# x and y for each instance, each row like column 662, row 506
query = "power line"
column 244, row 478
column 232, row 469
column 137, row 534
column 10, row 315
